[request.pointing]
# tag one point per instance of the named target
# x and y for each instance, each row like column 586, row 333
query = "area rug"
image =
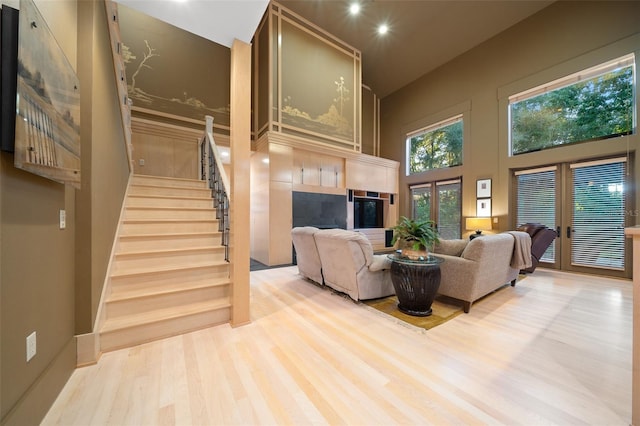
column 443, row 309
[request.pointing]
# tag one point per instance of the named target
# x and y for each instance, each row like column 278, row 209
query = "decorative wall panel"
column 172, row 71
column 313, row 82
column 48, row 103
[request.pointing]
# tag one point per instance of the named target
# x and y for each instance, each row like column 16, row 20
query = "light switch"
column 63, row 219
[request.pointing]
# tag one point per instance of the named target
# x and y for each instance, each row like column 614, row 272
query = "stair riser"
column 153, row 261
column 169, row 192
column 195, row 203
column 148, row 332
column 161, row 301
column 154, row 180
column 135, row 213
column 166, row 280
column 126, row 245
column 168, row 228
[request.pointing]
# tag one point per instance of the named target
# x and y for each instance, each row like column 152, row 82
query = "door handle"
column 558, row 231
column 568, row 232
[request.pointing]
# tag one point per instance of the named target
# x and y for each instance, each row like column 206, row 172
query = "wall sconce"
column 478, row 224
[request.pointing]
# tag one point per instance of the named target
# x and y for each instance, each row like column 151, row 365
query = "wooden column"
column 634, row 232
column 240, row 141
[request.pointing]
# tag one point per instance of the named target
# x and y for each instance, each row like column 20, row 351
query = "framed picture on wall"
column 483, row 189
column 483, row 208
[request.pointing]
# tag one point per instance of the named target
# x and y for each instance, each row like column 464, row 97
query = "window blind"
column 449, row 209
column 598, row 214
column 536, row 202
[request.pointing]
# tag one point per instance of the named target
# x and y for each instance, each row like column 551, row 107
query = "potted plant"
column 415, row 237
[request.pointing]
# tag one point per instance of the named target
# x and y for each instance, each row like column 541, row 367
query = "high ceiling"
column 221, row 21
column 423, row 34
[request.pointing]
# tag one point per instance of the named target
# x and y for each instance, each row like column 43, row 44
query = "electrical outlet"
column 63, row 219
column 141, row 161
column 31, row 346
column 495, row 220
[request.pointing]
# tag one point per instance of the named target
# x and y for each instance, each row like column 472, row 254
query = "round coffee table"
column 416, row 282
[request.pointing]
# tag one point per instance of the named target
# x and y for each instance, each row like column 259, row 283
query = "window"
column 435, row 147
column 440, row 202
column 597, row 103
column 536, row 201
column 421, row 202
column 598, row 220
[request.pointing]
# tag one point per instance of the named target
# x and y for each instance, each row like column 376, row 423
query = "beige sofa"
column 307, row 256
column 472, row 269
column 348, row 263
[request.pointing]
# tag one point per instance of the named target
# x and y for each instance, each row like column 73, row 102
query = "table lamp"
column 478, row 224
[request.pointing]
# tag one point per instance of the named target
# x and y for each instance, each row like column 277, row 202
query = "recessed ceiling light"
column 383, row 29
column 354, row 8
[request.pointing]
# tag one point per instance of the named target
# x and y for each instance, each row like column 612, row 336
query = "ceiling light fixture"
column 383, row 29
column 354, row 8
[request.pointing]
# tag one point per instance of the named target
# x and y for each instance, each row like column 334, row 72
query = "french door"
column 586, row 203
column 440, row 202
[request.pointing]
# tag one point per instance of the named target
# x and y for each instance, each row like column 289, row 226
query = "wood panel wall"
column 161, row 149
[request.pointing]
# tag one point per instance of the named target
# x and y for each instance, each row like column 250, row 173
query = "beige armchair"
column 483, row 266
column 349, row 265
column 307, row 256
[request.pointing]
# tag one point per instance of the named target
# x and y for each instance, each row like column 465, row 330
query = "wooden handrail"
column 212, row 171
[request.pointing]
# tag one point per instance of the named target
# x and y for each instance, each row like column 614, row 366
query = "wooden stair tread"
column 151, row 185
column 164, row 178
column 166, row 290
column 166, row 236
column 160, row 270
column 134, row 221
column 169, row 251
column 171, row 208
column 161, row 315
column 172, row 197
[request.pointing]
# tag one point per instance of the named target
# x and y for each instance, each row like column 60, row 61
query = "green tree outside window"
column 436, row 148
column 597, row 108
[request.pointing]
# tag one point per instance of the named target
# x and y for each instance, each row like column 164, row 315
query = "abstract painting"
column 48, row 103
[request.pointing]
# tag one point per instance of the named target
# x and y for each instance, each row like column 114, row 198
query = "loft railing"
column 212, row 171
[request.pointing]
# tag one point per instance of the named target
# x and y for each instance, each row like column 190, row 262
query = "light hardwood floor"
column 555, row 349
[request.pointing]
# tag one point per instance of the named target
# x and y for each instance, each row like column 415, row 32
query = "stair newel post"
column 208, row 123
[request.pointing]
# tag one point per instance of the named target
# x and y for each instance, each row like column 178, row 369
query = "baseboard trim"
column 87, row 349
column 33, row 406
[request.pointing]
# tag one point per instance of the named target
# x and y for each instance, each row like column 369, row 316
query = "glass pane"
column 537, row 204
column 436, row 148
column 598, row 216
column 421, row 200
column 449, row 210
column 595, row 108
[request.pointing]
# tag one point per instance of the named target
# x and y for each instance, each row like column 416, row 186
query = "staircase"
column 168, row 275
